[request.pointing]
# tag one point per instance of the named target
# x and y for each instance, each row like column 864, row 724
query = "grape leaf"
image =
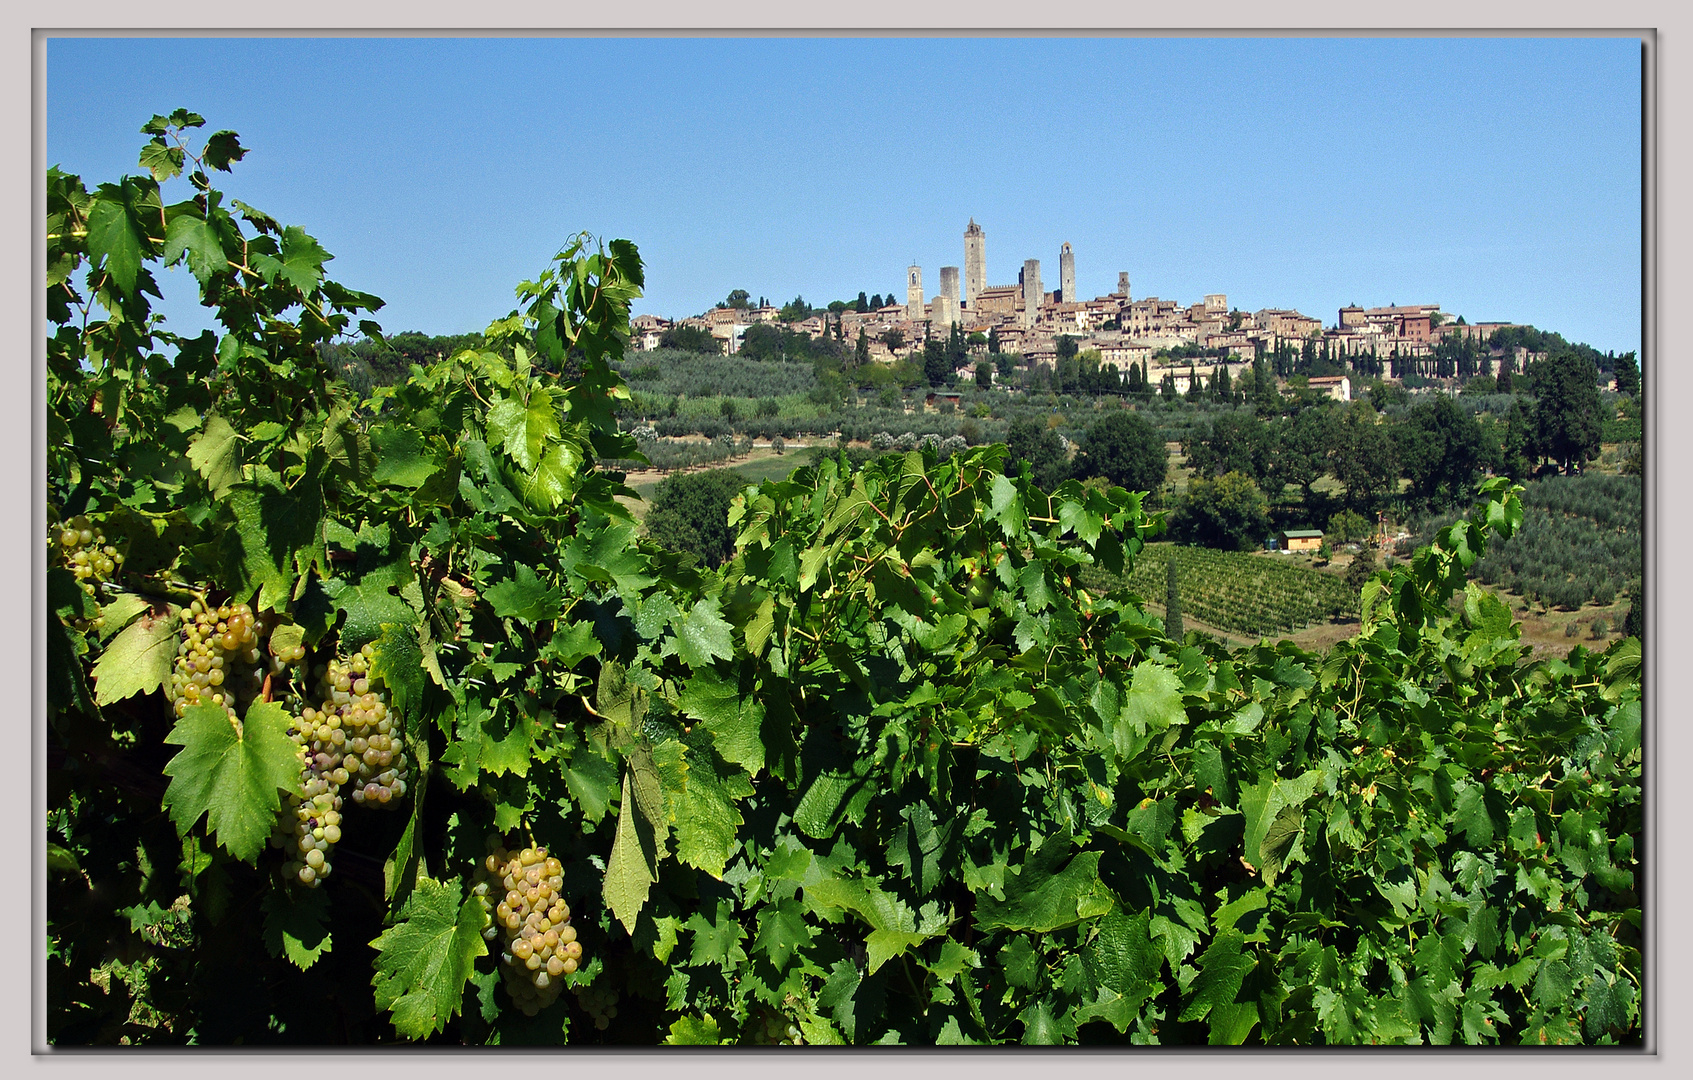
column 703, row 812
column 782, row 931
column 195, row 237
column 297, row 925
column 633, row 866
column 402, row 458
column 231, row 778
column 1222, row 968
column 425, row 959
column 554, row 477
column 112, row 234
column 300, row 264
column 703, row 634
column 137, row 661
column 523, row 429
column 1153, row 703
column 524, row 596
column 215, row 454
column 717, row 940
column 591, row 781
column 694, row 1031
column 734, row 722
column 1042, row 898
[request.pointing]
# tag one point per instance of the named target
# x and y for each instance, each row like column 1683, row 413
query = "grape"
column 771, row 1027
column 540, row 944
column 208, row 662
column 599, row 1001
column 84, row 552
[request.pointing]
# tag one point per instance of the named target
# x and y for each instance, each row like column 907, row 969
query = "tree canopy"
column 1126, row 450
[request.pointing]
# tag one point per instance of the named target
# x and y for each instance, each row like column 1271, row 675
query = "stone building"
column 975, row 263
column 949, row 283
column 1067, row 274
column 914, row 306
column 1032, row 293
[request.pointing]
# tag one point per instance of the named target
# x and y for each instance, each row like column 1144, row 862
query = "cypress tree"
column 1172, row 600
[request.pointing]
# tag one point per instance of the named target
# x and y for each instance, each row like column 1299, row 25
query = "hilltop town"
column 1165, row 338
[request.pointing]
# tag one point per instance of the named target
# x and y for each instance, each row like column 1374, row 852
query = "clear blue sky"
column 1499, row 178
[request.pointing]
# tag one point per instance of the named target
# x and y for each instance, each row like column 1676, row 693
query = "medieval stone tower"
column 1033, row 294
column 949, row 283
column 1067, row 273
column 1123, row 285
column 914, row 307
column 975, row 263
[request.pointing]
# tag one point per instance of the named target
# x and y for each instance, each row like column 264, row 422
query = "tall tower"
column 1067, row 273
column 914, row 309
column 1123, row 285
column 949, row 282
column 975, row 263
column 1033, row 294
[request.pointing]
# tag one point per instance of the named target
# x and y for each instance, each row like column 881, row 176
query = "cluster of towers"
column 952, row 301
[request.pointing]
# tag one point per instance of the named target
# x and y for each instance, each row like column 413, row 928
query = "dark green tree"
column 861, row 351
column 689, row 513
column 984, row 374
column 894, row 339
column 993, row 339
column 1172, row 599
column 937, row 369
column 1628, row 375
column 1228, row 513
column 690, row 339
column 862, row 305
column 1363, row 568
column 1235, row 441
column 1568, row 414
column 1031, row 441
column 739, row 299
column 1126, row 450
column 1305, row 451
column 1439, row 448
column 1363, row 460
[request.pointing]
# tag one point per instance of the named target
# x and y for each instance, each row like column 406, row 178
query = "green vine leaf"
column 297, row 925
column 137, row 661
column 633, row 867
column 425, row 959
column 215, row 454
column 231, row 777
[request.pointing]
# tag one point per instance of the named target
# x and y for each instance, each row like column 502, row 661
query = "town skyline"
column 1501, row 174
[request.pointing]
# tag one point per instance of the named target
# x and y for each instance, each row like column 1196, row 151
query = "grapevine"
column 914, row 765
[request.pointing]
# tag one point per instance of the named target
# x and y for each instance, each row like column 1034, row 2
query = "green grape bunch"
column 351, row 741
column 218, row 661
column 540, row 944
column 370, row 746
column 310, row 825
column 599, row 1001
column 771, row 1027
column 83, row 550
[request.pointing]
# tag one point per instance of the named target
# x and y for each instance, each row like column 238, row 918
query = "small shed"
column 1301, row 539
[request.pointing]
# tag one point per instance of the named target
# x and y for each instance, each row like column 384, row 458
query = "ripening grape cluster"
column 540, row 943
column 351, row 740
column 218, row 660
column 599, row 1001
column 773, row 1028
column 86, row 554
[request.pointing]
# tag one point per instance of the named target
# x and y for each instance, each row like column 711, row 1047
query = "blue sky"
column 1499, row 177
